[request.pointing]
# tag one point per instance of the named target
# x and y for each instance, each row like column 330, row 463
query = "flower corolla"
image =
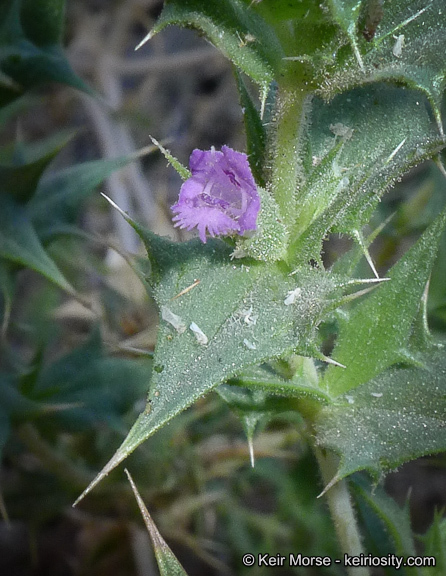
column 220, row 197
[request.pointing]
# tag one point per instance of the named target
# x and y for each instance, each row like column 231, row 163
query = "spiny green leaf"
column 375, row 333
column 250, row 407
column 358, row 145
column 348, row 262
column 260, row 393
column 346, row 14
column 307, row 32
column 233, row 28
column 437, row 296
column 406, row 48
column 249, row 324
column 396, row 417
column 274, row 11
column 166, row 559
column 396, row 520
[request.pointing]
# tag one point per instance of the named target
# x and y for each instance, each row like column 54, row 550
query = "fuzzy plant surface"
column 350, row 99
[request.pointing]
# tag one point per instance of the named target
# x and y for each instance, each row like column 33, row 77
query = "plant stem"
column 286, row 155
column 341, row 509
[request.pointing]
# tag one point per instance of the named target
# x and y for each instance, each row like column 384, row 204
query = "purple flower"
column 221, row 195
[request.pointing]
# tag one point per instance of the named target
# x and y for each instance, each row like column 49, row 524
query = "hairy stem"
column 286, row 158
column 341, row 509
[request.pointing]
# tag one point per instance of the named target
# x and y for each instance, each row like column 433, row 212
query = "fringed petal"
column 220, row 197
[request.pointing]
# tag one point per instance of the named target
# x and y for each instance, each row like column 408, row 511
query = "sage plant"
column 350, row 98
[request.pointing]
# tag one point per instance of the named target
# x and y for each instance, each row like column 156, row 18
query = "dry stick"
column 53, row 461
column 111, row 82
column 165, row 63
column 115, row 138
column 116, row 189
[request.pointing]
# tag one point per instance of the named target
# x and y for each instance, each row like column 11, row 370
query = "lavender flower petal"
column 220, row 197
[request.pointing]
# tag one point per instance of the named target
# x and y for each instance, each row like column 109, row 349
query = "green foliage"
column 22, row 165
column 37, row 209
column 346, row 13
column 378, row 510
column 233, row 28
column 21, row 245
column 344, row 157
column 404, row 49
column 298, row 380
column 269, row 242
column 89, row 384
column 375, row 334
column 435, row 545
column 255, row 131
column 76, row 394
column 350, row 100
column 393, row 418
column 339, row 158
column 30, row 51
column 358, row 145
column 43, row 20
column 54, row 207
column 250, row 323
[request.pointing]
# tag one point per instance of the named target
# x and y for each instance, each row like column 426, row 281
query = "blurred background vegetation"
column 75, row 363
